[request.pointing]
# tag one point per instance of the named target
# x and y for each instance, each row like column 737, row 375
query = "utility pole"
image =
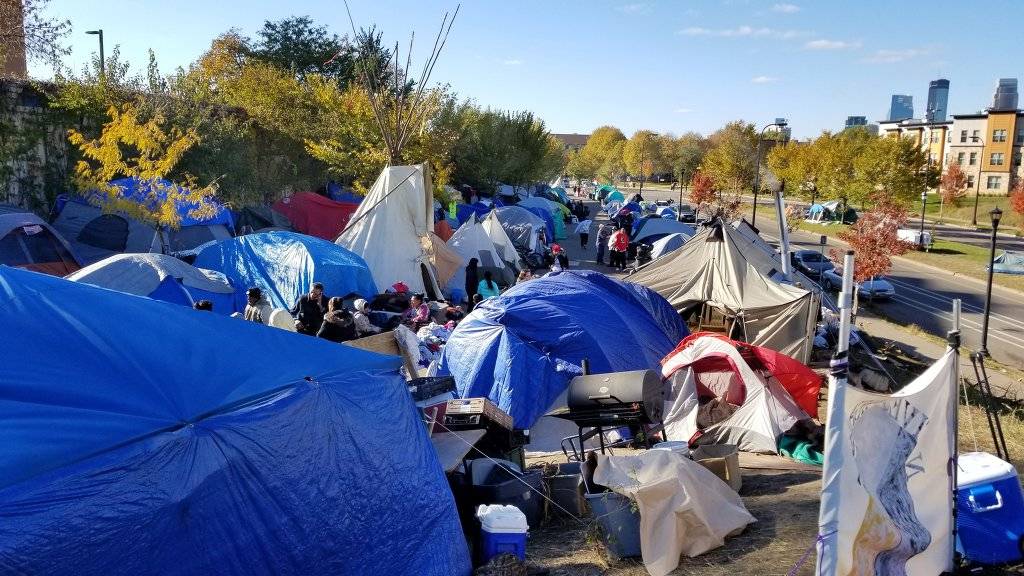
column 103, row 59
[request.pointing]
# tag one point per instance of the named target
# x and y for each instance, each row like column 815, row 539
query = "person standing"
column 472, row 280
column 338, row 324
column 257, row 308
column 583, row 229
column 604, row 231
column 309, row 310
column 619, row 244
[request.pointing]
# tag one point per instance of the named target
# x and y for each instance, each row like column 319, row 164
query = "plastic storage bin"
column 619, row 519
column 990, row 509
column 492, row 484
column 566, row 489
column 503, row 530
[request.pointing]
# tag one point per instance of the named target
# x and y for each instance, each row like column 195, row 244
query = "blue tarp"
column 140, row 191
column 285, row 265
column 466, row 211
column 522, row 348
column 338, row 194
column 201, row 444
column 549, row 222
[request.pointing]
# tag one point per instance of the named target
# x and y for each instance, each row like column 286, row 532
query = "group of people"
column 616, row 240
column 314, row 314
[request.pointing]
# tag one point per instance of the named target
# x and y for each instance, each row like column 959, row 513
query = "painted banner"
column 887, row 494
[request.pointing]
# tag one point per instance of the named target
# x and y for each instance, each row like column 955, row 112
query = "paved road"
column 925, row 295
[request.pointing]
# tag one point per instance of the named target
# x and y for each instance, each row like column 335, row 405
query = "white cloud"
column 764, row 80
column 786, row 8
column 512, row 62
column 683, row 110
column 742, row 32
column 635, row 8
column 824, row 44
column 895, row 56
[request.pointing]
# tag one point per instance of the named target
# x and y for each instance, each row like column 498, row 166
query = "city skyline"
column 664, row 66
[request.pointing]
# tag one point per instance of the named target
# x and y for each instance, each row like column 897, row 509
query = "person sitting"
column 338, row 324
column 204, row 305
column 361, row 316
column 560, row 256
column 524, row 276
column 257, row 308
column 488, row 288
column 309, row 310
column 418, row 314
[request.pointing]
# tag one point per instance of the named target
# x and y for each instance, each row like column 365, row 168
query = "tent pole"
column 953, row 338
column 780, row 209
column 828, row 513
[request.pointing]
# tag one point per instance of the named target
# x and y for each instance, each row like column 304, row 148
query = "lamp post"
column 996, row 214
column 103, row 62
column 924, row 203
column 977, row 189
column 779, row 123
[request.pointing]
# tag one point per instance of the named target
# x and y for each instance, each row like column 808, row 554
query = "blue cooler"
column 990, row 509
column 503, row 530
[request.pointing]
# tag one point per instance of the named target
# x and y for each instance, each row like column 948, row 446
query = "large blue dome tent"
column 522, row 348
column 202, row 444
column 285, row 264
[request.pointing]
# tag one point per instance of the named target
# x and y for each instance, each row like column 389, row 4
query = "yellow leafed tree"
column 129, row 147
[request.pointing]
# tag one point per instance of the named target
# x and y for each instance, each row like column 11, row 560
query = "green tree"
column 298, row 45
column 613, row 168
column 594, row 157
column 683, row 155
column 893, row 167
column 641, row 155
column 730, row 160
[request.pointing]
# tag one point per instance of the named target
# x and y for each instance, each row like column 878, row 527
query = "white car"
column 877, row 288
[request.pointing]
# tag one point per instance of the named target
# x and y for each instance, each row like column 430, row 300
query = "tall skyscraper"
column 1005, row 97
column 938, row 100
column 902, row 107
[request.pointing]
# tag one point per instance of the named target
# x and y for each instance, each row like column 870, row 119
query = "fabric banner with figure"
column 888, row 490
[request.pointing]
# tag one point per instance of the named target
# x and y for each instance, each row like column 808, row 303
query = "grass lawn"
column 963, row 213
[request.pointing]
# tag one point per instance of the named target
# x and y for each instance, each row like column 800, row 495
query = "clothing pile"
column 431, row 339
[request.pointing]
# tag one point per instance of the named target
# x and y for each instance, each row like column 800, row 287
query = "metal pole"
column 757, row 173
column 977, row 189
column 996, row 214
column 828, row 512
column 780, row 209
column 924, row 203
column 956, row 314
column 103, row 57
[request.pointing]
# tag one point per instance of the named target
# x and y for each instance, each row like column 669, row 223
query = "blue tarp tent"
column 144, row 191
column 339, row 194
column 162, row 277
column 201, row 444
column 549, row 222
column 466, row 211
column 522, row 348
column 285, row 265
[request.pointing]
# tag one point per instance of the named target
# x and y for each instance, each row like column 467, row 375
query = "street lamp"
column 977, row 189
column 103, row 63
column 779, row 123
column 996, row 214
column 924, row 203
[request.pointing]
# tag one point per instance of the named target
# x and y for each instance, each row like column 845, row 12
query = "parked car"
column 811, row 262
column 877, row 288
column 914, row 237
column 686, row 214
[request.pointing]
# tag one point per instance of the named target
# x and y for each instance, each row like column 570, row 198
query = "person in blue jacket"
column 487, row 287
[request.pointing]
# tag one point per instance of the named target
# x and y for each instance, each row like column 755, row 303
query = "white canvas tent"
column 502, row 243
column 392, row 230
column 471, row 241
column 717, row 269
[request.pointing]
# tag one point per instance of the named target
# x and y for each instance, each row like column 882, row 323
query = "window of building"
column 993, row 182
column 1017, row 159
column 974, row 158
column 963, row 136
column 970, row 180
column 931, row 158
column 996, row 159
column 936, row 137
column 1020, row 136
column 999, row 135
column 960, row 158
column 974, row 135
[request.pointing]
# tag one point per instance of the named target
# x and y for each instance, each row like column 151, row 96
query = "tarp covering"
column 149, row 192
column 391, row 229
column 549, row 222
column 464, row 212
column 716, row 267
column 316, row 215
column 285, row 265
column 887, row 493
column 520, row 225
column 1009, row 263
column 205, row 445
column 522, row 348
column 161, row 277
column 684, row 508
column 754, row 382
column 26, row 241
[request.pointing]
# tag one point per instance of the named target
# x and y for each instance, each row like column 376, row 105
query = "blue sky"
column 669, row 66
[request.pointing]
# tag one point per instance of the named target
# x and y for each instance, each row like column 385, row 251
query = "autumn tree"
column 702, row 190
column 24, row 24
column 1017, row 200
column 953, row 186
column 641, row 155
column 597, row 156
column 731, row 158
column 683, row 155
column 613, row 168
column 896, row 168
column 874, row 239
column 132, row 147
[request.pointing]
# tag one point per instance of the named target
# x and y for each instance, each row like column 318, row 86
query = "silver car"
column 877, row 288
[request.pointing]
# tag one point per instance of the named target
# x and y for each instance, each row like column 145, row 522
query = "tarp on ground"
column 717, row 268
column 719, row 391
column 522, row 348
column 285, row 265
column 650, row 229
column 162, row 277
column 521, row 226
column 471, row 241
column 200, row 444
column 316, row 215
column 27, row 241
column 391, row 229
column 887, row 492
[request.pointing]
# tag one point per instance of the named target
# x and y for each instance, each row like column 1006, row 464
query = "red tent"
column 801, row 382
column 316, row 215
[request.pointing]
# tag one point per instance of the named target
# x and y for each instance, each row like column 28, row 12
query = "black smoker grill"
column 635, row 399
